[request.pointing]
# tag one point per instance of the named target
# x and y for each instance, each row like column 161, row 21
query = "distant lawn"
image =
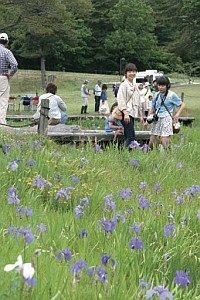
column 29, row 82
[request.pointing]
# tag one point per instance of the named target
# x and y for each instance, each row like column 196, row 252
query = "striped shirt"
column 7, row 59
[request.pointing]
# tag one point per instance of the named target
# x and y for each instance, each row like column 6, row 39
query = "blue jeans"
column 64, row 117
column 129, row 131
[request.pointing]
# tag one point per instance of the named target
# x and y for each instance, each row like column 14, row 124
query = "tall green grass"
column 169, row 181
column 100, row 174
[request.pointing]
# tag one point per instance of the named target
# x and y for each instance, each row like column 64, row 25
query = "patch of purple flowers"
column 13, row 166
column 168, row 229
column 161, row 292
column 5, row 149
column 66, row 253
column 97, row 148
column 24, row 211
column 83, row 233
column 78, row 266
column 182, row 278
column 108, row 225
column 136, row 243
column 134, row 163
column 125, row 193
column 191, row 191
column 31, row 162
column 135, row 227
column 109, row 203
column 64, row 192
column 13, row 196
column 40, row 182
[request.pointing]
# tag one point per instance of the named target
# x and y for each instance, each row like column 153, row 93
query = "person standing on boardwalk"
column 97, row 95
column 129, row 102
column 84, row 94
column 7, row 60
column 161, row 113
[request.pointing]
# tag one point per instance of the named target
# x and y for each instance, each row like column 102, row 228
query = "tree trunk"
column 43, row 73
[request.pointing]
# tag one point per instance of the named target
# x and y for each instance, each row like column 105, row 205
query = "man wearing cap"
column 84, row 94
column 97, row 95
column 6, row 59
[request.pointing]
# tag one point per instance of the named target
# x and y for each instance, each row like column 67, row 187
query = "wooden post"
column 182, row 96
column 43, row 122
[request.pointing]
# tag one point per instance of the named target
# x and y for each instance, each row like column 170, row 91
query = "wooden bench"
column 187, row 121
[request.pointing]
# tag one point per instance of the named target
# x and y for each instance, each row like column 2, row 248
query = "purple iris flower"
column 5, row 149
column 66, row 253
column 179, row 199
column 77, row 266
column 31, row 282
column 22, row 211
column 13, row 196
column 28, row 235
column 135, row 227
column 42, row 228
column 134, row 145
column 108, row 225
column 145, row 148
column 157, row 187
column 129, row 211
column 180, row 166
column 105, row 259
column 97, row 148
column 125, row 193
column 11, row 229
column 192, row 190
column 40, row 183
column 134, row 163
column 144, row 284
column 144, row 203
column 109, row 203
column 64, row 193
column 102, row 275
column 182, row 278
column 168, row 229
column 83, row 234
column 136, row 243
column 84, row 202
column 79, row 210
column 35, row 144
column 31, row 162
column 198, row 214
column 75, row 179
column 13, row 166
column 162, row 293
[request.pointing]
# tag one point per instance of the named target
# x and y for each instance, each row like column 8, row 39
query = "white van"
column 150, row 75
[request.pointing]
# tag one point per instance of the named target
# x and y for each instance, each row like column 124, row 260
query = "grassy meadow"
column 91, row 223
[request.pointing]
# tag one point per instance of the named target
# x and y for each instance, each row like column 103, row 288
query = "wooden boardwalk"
column 74, row 134
column 187, row 121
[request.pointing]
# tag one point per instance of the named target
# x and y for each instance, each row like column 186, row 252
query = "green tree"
column 45, row 29
column 133, row 32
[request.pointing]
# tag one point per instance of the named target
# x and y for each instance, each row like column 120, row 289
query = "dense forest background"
column 97, row 36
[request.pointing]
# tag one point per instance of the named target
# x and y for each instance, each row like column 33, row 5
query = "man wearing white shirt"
column 97, row 95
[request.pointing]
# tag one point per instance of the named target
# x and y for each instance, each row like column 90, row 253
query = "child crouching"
column 112, row 124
